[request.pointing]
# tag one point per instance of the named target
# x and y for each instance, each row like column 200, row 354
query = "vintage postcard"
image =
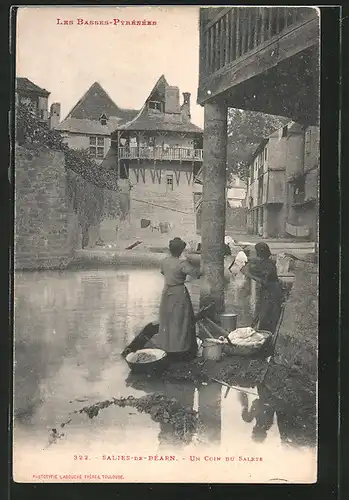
column 166, row 243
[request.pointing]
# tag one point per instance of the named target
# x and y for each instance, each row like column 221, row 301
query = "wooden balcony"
column 248, row 52
column 160, row 154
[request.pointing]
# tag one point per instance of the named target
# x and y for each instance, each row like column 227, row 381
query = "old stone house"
column 91, row 121
column 33, row 96
column 158, row 155
column 282, row 188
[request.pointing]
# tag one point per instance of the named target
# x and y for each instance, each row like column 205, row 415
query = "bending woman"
column 269, row 299
column 177, row 333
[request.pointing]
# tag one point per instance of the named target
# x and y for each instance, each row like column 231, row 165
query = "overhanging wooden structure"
column 261, row 59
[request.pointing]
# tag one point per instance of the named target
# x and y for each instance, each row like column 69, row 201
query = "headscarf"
column 262, row 250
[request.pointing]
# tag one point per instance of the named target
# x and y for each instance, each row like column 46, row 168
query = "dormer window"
column 103, row 119
column 156, row 105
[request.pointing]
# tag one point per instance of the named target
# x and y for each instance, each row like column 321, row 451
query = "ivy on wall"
column 93, row 192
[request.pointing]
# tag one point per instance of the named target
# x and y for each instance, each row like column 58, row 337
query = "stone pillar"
column 214, row 204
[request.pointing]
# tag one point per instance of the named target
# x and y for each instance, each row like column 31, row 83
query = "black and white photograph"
column 166, row 242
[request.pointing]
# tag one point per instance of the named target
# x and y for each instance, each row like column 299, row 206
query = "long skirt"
column 268, row 307
column 177, row 333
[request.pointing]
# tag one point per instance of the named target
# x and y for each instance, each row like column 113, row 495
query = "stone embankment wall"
column 297, row 343
column 46, row 228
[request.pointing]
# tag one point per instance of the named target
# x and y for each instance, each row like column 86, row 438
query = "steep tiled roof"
column 95, row 102
column 25, row 85
column 92, row 127
column 154, row 120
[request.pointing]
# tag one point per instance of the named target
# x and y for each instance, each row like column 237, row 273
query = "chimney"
column 55, row 114
column 186, row 107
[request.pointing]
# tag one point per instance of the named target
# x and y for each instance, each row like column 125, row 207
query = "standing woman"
column 263, row 270
column 177, row 333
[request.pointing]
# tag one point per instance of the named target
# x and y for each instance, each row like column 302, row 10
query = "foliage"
column 93, row 192
column 246, row 129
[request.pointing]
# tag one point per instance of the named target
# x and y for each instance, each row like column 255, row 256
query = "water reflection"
column 75, row 322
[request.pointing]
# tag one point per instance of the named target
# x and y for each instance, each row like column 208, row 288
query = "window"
column 151, row 141
column 157, row 105
column 299, row 190
column 308, row 142
column 103, row 119
column 265, row 154
column 97, row 147
column 284, row 131
column 169, row 182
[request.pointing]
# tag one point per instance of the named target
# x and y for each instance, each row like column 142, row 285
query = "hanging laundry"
column 145, row 223
column 164, row 227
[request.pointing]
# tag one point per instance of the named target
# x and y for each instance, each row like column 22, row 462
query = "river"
column 70, row 328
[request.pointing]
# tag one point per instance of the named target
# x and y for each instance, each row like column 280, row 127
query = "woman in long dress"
column 263, row 270
column 177, row 333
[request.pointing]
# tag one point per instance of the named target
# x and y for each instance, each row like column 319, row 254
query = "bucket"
column 212, row 349
column 228, row 321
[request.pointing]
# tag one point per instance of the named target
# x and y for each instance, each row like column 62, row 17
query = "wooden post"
column 270, row 20
column 256, row 26
column 222, row 38
column 277, row 14
column 237, row 39
column 249, row 28
column 232, row 54
column 216, row 48
column 211, row 50
column 118, row 136
column 214, row 203
column 227, row 38
column 264, row 14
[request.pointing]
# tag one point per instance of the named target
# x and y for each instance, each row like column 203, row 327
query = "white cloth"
column 240, row 260
column 228, row 240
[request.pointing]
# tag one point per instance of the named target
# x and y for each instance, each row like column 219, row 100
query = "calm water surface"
column 70, row 328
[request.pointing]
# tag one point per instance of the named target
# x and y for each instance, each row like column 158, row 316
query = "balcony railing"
column 159, row 153
column 235, row 31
